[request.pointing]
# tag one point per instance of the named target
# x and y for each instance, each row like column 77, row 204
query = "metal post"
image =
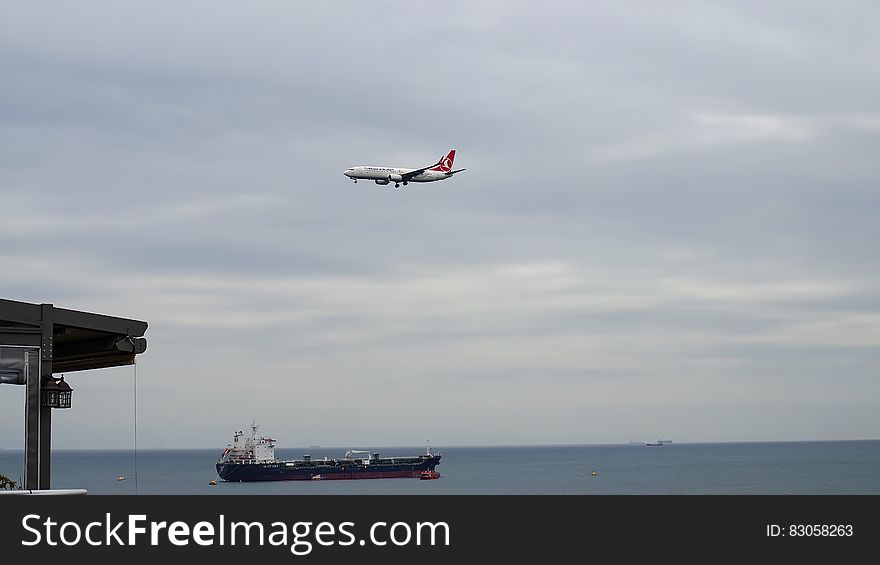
column 47, row 355
column 38, row 420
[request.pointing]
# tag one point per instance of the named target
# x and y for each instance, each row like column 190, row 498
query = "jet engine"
column 382, row 181
column 395, row 178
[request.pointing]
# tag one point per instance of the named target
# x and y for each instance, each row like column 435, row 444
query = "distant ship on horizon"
column 660, row 443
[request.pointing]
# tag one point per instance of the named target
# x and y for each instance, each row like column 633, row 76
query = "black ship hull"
column 330, row 469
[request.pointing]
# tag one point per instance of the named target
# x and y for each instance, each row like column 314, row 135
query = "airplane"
column 440, row 170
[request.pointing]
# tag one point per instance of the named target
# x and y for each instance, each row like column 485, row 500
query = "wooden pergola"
column 66, row 341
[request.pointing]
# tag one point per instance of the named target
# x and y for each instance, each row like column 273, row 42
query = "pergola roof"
column 81, row 340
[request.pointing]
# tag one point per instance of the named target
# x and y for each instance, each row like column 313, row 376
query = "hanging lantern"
column 56, row 393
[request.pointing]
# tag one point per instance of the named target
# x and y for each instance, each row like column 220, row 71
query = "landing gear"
column 397, row 185
column 355, row 181
column 404, row 183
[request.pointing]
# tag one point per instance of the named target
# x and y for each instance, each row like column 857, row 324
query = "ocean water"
column 794, row 468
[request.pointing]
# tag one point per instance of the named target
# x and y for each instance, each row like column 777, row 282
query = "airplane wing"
column 411, row 174
column 455, row 171
column 416, row 172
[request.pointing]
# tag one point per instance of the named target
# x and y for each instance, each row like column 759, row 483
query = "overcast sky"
column 668, row 226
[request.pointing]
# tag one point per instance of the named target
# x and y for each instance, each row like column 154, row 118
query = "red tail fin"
column 445, row 163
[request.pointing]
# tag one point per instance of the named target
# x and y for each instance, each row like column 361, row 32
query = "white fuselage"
column 392, row 174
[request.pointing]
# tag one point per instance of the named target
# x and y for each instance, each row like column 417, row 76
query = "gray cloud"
column 666, row 227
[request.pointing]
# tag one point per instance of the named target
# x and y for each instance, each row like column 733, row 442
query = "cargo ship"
column 252, row 458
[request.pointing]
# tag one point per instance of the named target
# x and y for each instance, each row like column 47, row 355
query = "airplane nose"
column 347, row 173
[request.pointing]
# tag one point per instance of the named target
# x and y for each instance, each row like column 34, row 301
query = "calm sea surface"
column 829, row 467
